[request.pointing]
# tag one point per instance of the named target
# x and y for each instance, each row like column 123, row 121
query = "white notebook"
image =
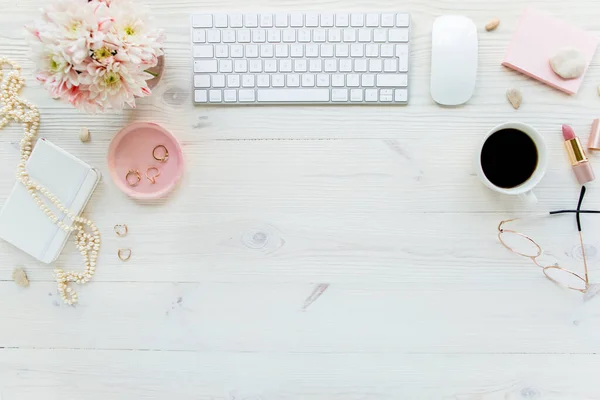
column 72, row 181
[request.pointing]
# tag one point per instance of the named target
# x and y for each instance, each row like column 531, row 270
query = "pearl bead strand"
column 87, row 237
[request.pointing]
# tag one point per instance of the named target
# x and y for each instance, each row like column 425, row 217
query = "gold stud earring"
column 157, row 156
column 124, row 254
column 121, row 230
column 152, row 173
column 133, row 177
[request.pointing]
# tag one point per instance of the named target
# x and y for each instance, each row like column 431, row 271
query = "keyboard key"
column 319, row 36
column 342, row 50
column 221, row 21
column 247, row 96
column 308, row 80
column 200, row 96
column 390, row 65
column 391, row 80
column 357, row 50
column 372, row 19
column 240, row 66
column 251, row 20
column 402, row 20
column 281, row 50
column 342, row 20
column 274, row 35
column 204, row 51
column 236, row 51
column 278, row 80
column 371, row 95
column 199, row 36
column 368, row 80
column 357, row 20
column 289, row 35
column 331, row 65
column 205, row 66
column 230, row 96
column 315, row 66
column 335, row 35
column 311, row 20
column 364, row 35
column 398, row 35
column 300, row 65
column 213, row 36
column 281, row 20
column 202, row 81
column 372, row 50
column 251, row 51
column 296, row 20
column 375, row 65
column 402, row 54
column 353, row 80
column 228, row 36
column 221, row 51
column 386, row 95
column 388, row 20
column 345, row 65
column 266, row 20
column 304, row 35
column 267, row 50
column 312, row 50
column 323, row 80
column 259, row 35
column 225, row 66
column 243, row 35
column 292, row 96
column 380, row 35
column 400, row 95
column 339, row 94
column 360, row 65
column 218, row 81
column 270, row 65
column 327, row 50
column 293, row 80
column 327, row 19
column 214, row 96
column 285, row 65
column 296, row 50
column 247, row 80
column 236, row 21
column 387, row 50
column 263, row 80
column 350, row 35
column 255, row 66
column 202, row 21
column 338, row 80
column 356, row 95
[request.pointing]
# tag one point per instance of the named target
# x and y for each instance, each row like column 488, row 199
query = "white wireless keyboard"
column 276, row 58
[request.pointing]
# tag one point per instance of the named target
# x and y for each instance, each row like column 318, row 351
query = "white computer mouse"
column 453, row 59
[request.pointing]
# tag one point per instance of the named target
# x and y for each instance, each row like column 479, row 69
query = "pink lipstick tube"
column 579, row 161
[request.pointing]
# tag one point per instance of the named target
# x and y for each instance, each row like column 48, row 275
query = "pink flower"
column 94, row 53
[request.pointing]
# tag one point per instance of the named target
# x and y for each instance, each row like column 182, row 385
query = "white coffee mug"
column 525, row 189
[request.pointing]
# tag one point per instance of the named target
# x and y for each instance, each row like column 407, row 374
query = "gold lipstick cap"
column 594, row 142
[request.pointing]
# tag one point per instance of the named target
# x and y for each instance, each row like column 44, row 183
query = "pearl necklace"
column 88, row 243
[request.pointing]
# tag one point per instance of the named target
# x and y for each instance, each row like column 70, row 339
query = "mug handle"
column 529, row 197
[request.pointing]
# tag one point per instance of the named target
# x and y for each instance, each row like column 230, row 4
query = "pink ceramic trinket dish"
column 133, row 149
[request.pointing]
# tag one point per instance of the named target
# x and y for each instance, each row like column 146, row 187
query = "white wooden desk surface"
column 381, row 203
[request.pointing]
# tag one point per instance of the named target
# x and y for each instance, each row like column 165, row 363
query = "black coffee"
column 509, row 158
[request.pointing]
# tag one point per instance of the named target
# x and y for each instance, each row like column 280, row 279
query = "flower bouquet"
column 95, row 54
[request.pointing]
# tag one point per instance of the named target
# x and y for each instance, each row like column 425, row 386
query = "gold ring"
column 136, row 174
column 152, row 178
column 121, row 230
column 165, row 157
column 124, row 254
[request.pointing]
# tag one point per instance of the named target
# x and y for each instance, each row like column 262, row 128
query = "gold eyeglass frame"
column 539, row 252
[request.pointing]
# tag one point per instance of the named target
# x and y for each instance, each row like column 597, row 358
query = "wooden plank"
column 90, row 374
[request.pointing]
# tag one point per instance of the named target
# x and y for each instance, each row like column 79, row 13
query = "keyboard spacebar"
column 292, row 95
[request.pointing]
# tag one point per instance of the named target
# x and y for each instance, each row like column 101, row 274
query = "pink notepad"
column 540, row 36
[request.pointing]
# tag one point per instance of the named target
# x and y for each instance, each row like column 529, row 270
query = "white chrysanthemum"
column 117, row 85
